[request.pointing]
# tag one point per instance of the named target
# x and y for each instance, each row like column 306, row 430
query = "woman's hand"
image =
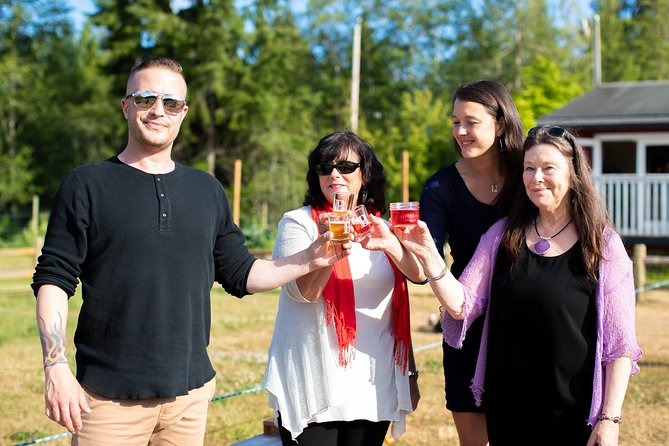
column 322, row 224
column 605, row 433
column 379, row 238
column 418, row 240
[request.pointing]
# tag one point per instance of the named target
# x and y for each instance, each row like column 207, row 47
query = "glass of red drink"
column 360, row 221
column 404, row 214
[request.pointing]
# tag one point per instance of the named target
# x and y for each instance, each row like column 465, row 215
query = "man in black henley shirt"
column 147, row 238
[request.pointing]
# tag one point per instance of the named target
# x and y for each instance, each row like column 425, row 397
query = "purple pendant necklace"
column 542, row 246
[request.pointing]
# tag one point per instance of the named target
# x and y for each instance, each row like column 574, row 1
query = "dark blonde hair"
column 158, row 62
column 586, row 206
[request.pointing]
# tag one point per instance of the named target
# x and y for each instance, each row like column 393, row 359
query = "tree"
column 424, row 131
column 547, row 88
column 635, row 39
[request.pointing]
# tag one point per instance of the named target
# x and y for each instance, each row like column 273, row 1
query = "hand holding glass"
column 360, row 221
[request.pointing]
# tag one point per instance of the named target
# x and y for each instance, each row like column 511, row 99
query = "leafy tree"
column 39, row 85
column 635, row 39
column 280, row 104
column 17, row 96
column 546, row 89
column 424, row 131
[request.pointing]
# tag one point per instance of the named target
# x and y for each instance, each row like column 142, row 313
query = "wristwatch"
column 413, row 373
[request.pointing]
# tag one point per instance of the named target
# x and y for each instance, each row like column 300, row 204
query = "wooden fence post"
column 639, row 264
column 405, row 175
column 237, row 191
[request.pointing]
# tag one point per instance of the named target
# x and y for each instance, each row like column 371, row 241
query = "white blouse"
column 303, row 376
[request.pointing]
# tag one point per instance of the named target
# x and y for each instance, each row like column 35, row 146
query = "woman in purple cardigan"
column 555, row 285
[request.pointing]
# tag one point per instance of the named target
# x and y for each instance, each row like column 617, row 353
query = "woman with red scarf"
column 340, row 366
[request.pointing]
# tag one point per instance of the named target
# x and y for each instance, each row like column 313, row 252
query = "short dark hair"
column 166, row 63
column 334, row 147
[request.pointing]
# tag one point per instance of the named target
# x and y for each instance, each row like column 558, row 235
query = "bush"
column 259, row 238
column 16, row 232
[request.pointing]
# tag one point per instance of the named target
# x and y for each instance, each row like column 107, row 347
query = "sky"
column 79, row 10
column 82, row 7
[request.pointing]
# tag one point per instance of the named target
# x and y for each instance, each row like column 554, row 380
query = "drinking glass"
column 343, row 202
column 360, row 221
column 340, row 226
column 404, row 214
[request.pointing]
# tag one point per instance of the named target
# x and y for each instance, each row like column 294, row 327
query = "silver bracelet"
column 439, row 276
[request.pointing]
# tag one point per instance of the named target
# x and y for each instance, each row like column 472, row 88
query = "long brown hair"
column 497, row 101
column 586, row 206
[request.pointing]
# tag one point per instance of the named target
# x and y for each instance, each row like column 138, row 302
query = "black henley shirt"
column 147, row 249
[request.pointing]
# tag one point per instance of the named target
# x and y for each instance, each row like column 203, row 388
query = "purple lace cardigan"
column 615, row 297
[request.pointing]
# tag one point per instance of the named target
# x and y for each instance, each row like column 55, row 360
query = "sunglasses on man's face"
column 145, row 99
column 343, row 167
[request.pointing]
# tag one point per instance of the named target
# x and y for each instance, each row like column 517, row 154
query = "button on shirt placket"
column 164, row 208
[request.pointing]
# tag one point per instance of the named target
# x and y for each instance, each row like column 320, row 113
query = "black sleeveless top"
column 541, row 351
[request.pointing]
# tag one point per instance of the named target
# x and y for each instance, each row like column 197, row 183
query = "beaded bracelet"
column 615, row 419
column 439, row 276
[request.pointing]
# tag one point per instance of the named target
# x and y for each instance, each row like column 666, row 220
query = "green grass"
column 240, row 336
column 657, row 274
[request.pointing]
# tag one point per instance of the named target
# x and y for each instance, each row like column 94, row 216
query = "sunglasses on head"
column 145, row 99
column 343, row 167
column 557, row 132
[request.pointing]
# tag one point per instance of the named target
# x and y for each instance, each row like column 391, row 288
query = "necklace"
column 494, row 187
column 542, row 246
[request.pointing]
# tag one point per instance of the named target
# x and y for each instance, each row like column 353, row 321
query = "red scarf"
column 340, row 303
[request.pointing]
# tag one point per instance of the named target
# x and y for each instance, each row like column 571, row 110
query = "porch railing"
column 637, row 205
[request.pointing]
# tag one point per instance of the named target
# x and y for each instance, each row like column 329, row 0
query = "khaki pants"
column 152, row 421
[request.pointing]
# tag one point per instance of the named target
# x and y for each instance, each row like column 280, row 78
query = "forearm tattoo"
column 53, row 342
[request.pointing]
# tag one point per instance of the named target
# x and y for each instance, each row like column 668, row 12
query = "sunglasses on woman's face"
column 145, row 99
column 343, row 167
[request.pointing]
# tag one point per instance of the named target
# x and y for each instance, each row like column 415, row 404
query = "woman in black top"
column 554, row 284
column 459, row 203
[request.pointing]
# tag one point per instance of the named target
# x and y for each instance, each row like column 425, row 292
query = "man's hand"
column 64, row 397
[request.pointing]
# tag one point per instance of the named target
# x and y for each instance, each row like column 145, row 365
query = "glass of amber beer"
column 404, row 214
column 340, row 226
